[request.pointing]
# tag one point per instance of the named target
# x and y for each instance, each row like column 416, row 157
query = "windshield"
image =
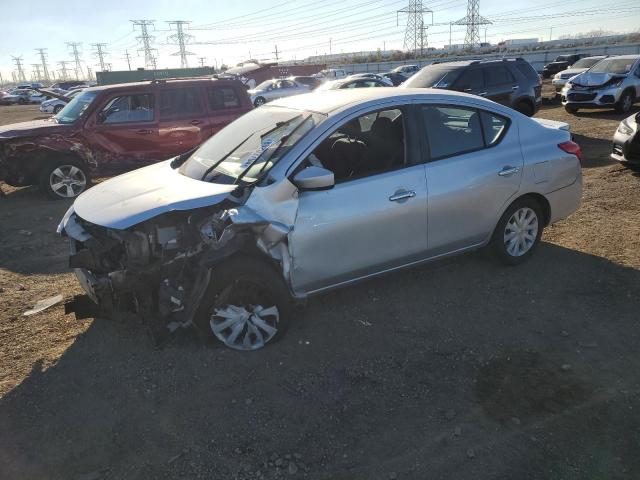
column 329, row 85
column 562, row 58
column 586, row 62
column 76, row 107
column 440, row 76
column 250, row 146
column 614, row 65
column 264, row 85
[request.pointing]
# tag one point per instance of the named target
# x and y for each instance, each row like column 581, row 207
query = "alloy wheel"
column 67, row 181
column 627, row 103
column 521, row 232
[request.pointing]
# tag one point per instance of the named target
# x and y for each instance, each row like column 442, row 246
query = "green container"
column 126, row 76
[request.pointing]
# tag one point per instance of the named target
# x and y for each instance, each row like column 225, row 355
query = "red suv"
column 115, row 128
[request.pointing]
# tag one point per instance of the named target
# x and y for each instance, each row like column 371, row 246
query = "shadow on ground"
column 461, row 369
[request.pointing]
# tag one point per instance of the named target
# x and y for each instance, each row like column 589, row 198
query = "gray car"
column 560, row 79
column 611, row 83
column 273, row 89
column 311, row 193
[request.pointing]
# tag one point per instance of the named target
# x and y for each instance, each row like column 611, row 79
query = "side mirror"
column 314, row 178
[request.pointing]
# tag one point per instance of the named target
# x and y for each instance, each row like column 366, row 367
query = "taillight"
column 571, row 147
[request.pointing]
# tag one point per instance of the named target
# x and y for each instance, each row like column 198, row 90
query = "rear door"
column 471, row 80
column 500, row 83
column 224, row 105
column 474, row 168
column 184, row 123
column 123, row 131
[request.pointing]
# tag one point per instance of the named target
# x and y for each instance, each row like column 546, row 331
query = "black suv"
column 561, row 63
column 510, row 81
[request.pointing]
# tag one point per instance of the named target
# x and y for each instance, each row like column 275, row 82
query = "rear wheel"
column 518, row 232
column 571, row 109
column 64, row 179
column 246, row 305
column 57, row 108
column 259, row 101
column 525, row 108
column 625, row 103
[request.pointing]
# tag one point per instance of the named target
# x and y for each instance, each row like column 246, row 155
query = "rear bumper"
column 565, row 201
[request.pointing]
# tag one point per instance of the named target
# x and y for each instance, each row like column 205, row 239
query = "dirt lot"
column 459, row 370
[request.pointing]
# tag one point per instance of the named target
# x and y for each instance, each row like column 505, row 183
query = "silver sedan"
column 315, row 192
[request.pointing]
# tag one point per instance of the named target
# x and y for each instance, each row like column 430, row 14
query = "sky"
column 229, row 32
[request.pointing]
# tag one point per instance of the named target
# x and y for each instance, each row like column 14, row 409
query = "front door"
column 123, row 134
column 374, row 218
column 474, row 170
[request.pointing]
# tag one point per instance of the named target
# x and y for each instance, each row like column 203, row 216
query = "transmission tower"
column 43, row 60
column 89, row 75
column 35, row 75
column 76, row 57
column 473, row 20
column 100, row 53
column 146, row 39
column 127, row 57
column 63, row 69
column 20, row 74
column 202, row 60
column 181, row 39
column 414, row 34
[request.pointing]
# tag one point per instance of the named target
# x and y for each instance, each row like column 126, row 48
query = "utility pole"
column 127, row 56
column 276, row 52
column 100, row 53
column 43, row 59
column 330, row 45
column 76, row 57
column 415, row 24
column 35, row 75
column 472, row 20
column 20, row 74
column 146, row 39
column 550, row 32
column 89, row 75
column 181, row 39
column 63, row 69
column 202, row 60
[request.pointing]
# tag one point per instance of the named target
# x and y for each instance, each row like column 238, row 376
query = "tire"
column 525, row 108
column 518, row 214
column 22, row 101
column 57, row 109
column 259, row 101
column 571, row 109
column 71, row 175
column 244, row 294
column 625, row 103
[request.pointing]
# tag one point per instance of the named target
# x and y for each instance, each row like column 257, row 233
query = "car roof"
column 329, row 102
column 172, row 82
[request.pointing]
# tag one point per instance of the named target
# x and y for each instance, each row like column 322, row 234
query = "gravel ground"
column 461, row 369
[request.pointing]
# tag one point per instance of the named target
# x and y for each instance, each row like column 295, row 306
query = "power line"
column 100, row 53
column 18, row 62
column 146, row 39
column 180, row 38
column 76, row 58
column 43, row 59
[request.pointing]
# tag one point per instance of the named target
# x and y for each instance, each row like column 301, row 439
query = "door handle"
column 144, row 132
column 514, row 88
column 195, row 122
column 508, row 171
column 402, row 195
column 482, row 94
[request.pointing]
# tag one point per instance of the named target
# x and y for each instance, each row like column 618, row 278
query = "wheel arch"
column 540, row 199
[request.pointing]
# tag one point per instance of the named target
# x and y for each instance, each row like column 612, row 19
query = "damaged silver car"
column 311, row 193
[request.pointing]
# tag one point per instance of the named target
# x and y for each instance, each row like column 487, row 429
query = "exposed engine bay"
column 159, row 269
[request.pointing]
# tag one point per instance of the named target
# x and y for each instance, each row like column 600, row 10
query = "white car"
column 561, row 78
column 273, row 89
column 54, row 105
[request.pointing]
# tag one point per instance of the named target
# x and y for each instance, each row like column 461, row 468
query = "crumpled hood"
column 590, row 79
column 145, row 193
column 572, row 71
column 25, row 129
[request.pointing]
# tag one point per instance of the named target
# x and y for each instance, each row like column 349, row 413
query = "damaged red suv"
column 111, row 129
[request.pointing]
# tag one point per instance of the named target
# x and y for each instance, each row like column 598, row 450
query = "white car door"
column 374, row 218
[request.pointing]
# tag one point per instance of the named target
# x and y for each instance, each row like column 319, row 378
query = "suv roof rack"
column 164, row 80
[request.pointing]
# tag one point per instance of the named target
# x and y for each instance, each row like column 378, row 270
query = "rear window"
column 527, row 70
column 178, row 102
column 223, row 97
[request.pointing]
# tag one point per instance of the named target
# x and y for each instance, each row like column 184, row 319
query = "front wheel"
column 246, row 305
column 64, row 179
column 57, row 109
column 625, row 103
column 571, row 109
column 518, row 232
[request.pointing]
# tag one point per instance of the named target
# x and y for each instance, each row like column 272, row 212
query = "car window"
column 285, row 84
column 527, row 70
column 471, row 78
column 127, row 109
column 178, row 102
column 370, row 144
column 452, row 130
column 223, row 97
column 498, row 75
column 493, row 126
